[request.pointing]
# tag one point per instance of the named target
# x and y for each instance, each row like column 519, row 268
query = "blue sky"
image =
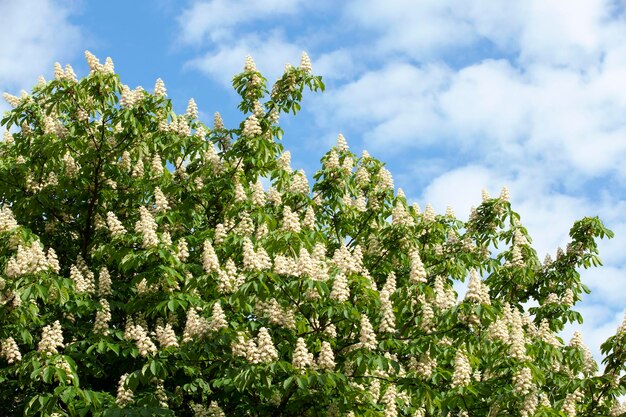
column 455, row 96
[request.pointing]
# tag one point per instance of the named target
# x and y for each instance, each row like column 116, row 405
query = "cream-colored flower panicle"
column 218, row 318
column 7, row 221
column 523, row 381
column 51, row 339
column 284, row 161
column 144, row 343
column 266, row 351
column 166, row 336
column 196, row 326
column 291, row 222
column 418, row 272
column 84, row 280
column 11, row 99
column 367, row 337
column 462, row 370
column 103, row 316
column 124, row 394
column 340, row 291
column 210, row 263
column 160, row 201
column 28, row 260
column 477, row 291
column 326, row 358
column 159, row 88
column 388, row 319
column 182, row 249
column 115, row 226
column 104, row 282
column 305, row 63
column 146, row 226
column 10, row 351
column 258, row 194
column 93, row 63
column 249, row 65
column 192, row 109
column 251, row 127
column 389, row 399
column 302, row 359
column 218, row 123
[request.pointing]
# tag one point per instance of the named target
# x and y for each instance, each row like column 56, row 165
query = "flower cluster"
column 51, row 339
column 367, row 337
column 462, row 375
column 103, row 316
column 31, row 260
column 261, row 350
column 124, row 393
column 196, row 326
column 7, row 221
column 146, row 226
column 477, row 291
column 140, row 336
column 166, row 336
column 10, row 351
column 301, row 357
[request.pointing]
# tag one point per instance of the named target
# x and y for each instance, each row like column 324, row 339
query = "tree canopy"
column 153, row 265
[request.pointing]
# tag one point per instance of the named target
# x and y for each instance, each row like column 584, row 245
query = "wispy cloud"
column 219, row 20
column 34, row 35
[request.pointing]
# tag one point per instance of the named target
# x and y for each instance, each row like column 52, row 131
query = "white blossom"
column 305, row 63
column 192, row 109
column 462, row 375
column 159, row 88
column 195, row 326
column 265, row 347
column 218, row 318
column 326, row 358
column 115, row 226
column 367, row 337
column 51, row 339
column 218, row 123
column 103, row 316
column 301, row 357
column 10, row 351
column 291, row 222
column 210, row 263
column 166, row 336
column 146, row 226
column 340, row 290
column 124, row 394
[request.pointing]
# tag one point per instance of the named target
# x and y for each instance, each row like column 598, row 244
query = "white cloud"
column 605, row 283
column 270, row 55
column 491, row 110
column 34, row 35
column 390, row 106
column 460, row 189
column 556, row 32
column 553, row 95
column 216, row 20
column 421, row 29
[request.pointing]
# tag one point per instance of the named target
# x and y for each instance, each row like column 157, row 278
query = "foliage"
column 146, row 271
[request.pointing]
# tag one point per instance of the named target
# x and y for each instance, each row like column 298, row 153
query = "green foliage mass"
column 146, row 271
